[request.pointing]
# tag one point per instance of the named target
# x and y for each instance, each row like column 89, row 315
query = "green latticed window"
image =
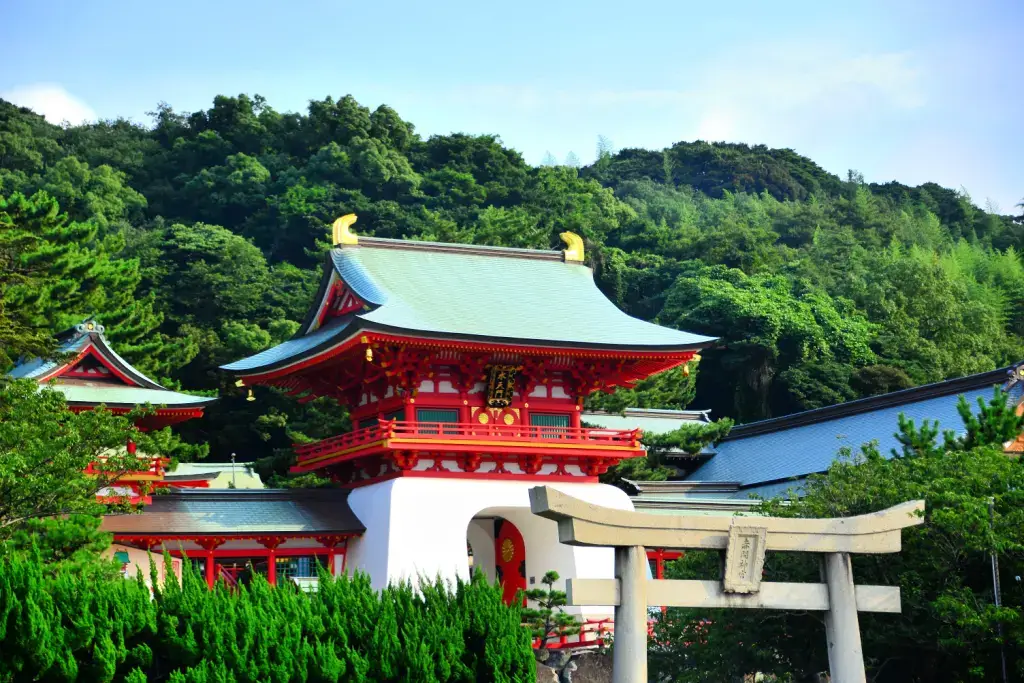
column 552, row 425
column 442, row 415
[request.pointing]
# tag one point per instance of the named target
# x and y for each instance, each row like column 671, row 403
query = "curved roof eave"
column 356, row 325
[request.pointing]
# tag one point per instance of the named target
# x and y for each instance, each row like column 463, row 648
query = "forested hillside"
column 197, row 240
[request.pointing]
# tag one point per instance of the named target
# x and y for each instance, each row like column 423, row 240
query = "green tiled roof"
column 504, row 294
column 118, row 395
column 518, row 296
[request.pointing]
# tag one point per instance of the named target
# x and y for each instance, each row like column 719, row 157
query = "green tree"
column 45, row 450
column 548, row 619
column 58, row 272
column 655, row 465
column 931, row 284
column 767, row 324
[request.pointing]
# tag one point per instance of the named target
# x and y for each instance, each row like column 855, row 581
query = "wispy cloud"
column 533, row 99
column 776, row 90
column 52, row 101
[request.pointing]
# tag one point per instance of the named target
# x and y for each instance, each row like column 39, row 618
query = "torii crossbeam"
column 745, row 541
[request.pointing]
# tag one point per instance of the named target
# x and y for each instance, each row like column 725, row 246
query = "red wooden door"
column 509, row 559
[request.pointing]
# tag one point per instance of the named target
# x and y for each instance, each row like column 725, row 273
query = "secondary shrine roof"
column 240, row 512
column 93, row 373
column 470, row 293
column 771, row 456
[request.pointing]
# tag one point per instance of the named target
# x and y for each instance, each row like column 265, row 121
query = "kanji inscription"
column 501, row 386
column 744, row 559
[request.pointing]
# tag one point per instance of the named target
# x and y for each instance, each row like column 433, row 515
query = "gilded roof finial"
column 342, row 230
column 574, row 244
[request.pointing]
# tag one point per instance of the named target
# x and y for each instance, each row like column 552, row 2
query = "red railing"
column 468, row 431
column 156, row 468
column 593, row 632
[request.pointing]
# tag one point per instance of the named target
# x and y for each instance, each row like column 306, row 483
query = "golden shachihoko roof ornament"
column 574, row 246
column 341, row 231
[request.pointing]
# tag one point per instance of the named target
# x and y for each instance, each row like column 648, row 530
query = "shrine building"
column 464, row 369
column 91, row 374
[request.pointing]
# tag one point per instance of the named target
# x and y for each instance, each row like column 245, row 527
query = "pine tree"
column 548, row 617
column 55, row 272
column 995, row 423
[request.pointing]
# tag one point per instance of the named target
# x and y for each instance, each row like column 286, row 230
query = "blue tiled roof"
column 37, row 367
column 808, row 448
column 335, row 331
column 778, row 489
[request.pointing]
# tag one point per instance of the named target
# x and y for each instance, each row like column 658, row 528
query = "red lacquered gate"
column 509, row 559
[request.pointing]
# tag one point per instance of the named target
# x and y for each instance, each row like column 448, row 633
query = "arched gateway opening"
column 497, row 550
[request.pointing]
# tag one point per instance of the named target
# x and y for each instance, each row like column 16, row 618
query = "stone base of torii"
column 745, row 541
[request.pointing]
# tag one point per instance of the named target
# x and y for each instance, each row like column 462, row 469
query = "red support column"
column 271, row 544
column 209, row 545
column 574, row 418
column 331, row 544
column 211, row 569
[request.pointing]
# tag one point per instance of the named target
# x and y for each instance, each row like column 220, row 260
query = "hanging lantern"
column 369, row 355
column 250, row 397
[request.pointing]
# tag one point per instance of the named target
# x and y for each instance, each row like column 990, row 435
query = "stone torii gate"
column 744, row 540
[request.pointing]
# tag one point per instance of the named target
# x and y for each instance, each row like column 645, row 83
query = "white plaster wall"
column 139, row 562
column 417, row 527
column 480, row 534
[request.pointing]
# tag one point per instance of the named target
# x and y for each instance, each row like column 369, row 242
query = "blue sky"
column 907, row 90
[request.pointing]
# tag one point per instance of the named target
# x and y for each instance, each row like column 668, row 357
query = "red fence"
column 400, row 429
column 156, row 469
column 593, row 632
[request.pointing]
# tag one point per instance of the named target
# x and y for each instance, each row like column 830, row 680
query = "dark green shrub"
column 70, row 627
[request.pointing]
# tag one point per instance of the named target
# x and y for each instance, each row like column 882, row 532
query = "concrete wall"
column 418, row 527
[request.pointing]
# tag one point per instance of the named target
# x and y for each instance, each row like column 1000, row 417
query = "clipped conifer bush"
column 78, row 627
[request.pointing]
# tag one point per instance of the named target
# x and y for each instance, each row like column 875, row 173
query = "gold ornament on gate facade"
column 501, row 383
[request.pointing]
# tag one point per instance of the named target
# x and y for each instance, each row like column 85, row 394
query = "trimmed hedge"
column 70, row 627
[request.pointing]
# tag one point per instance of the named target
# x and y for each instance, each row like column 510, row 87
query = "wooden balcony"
column 438, row 439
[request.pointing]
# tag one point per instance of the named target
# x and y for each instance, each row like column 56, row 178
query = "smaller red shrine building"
column 91, row 374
